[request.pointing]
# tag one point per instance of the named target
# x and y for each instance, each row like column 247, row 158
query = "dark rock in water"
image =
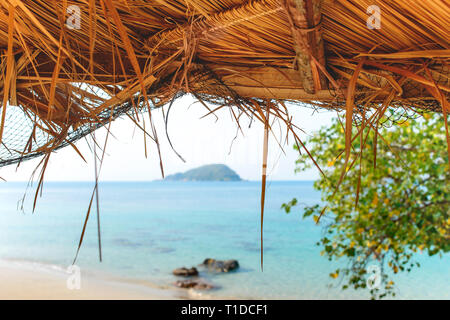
column 194, row 284
column 185, row 272
column 221, row 266
column 126, row 243
column 163, row 250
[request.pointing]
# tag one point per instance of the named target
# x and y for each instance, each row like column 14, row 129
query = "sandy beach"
column 28, row 282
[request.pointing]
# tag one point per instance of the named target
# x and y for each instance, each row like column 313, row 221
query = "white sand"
column 19, row 281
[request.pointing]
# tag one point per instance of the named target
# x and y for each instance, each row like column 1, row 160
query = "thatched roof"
column 58, row 83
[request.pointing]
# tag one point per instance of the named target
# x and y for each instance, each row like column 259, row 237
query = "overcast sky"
column 199, row 141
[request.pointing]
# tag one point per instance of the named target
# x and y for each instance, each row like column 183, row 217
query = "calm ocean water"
column 149, row 229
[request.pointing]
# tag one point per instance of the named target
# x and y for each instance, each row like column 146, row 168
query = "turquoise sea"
column 151, row 228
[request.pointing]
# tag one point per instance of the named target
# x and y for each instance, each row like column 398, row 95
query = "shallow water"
column 149, row 229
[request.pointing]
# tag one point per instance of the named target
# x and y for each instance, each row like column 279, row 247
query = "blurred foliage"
column 381, row 215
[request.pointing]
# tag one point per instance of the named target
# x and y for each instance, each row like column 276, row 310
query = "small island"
column 212, row 172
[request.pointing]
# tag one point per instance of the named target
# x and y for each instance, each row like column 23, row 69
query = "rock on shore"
column 185, row 272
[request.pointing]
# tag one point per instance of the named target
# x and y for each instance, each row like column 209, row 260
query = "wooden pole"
column 305, row 18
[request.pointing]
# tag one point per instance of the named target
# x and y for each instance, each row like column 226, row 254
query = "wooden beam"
column 284, row 84
column 283, row 93
column 268, row 83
